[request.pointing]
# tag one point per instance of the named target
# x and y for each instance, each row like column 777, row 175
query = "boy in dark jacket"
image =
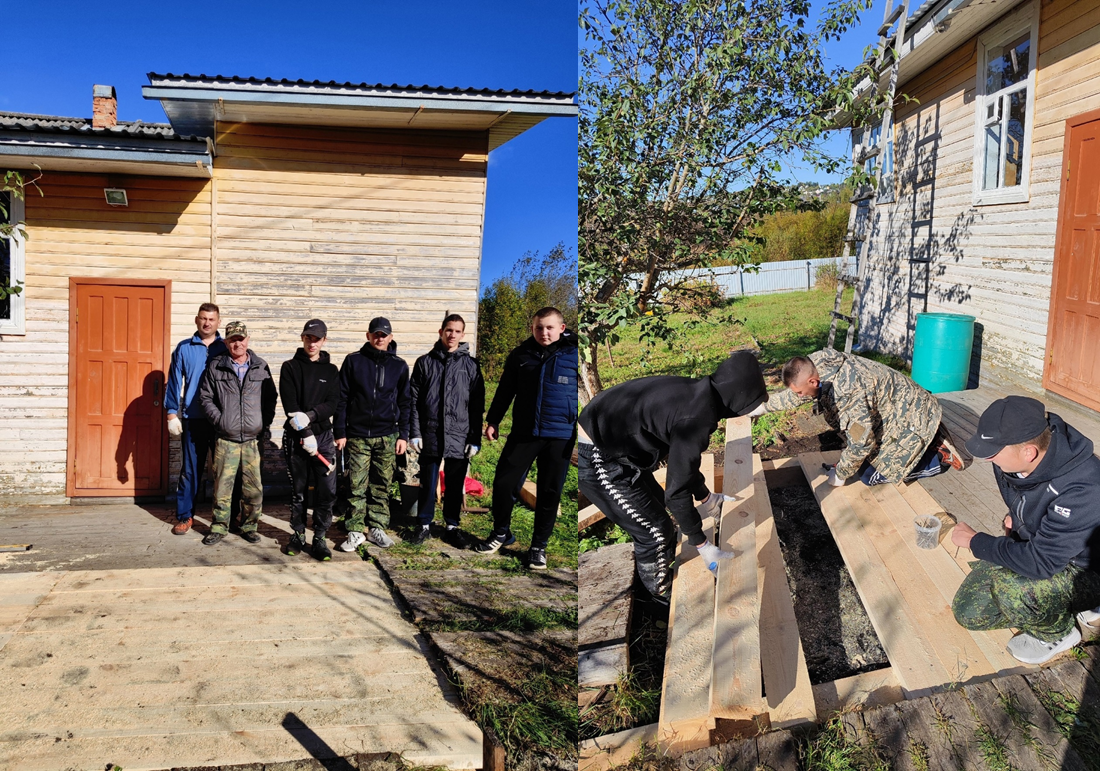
column 372, row 420
column 631, row 428
column 448, row 397
column 238, row 396
column 1043, row 570
column 541, row 375
column 309, row 386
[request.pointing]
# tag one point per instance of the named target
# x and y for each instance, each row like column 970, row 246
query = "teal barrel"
column 941, row 351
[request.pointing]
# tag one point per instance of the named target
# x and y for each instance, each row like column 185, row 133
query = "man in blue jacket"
column 372, row 421
column 189, row 361
column 1043, row 570
column 540, row 374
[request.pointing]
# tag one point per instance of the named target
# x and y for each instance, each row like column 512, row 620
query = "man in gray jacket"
column 238, row 396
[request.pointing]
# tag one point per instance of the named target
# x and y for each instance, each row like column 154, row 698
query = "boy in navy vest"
column 540, row 374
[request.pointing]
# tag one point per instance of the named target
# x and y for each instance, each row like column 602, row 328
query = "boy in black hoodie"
column 372, row 420
column 309, row 388
column 1044, row 569
column 630, row 428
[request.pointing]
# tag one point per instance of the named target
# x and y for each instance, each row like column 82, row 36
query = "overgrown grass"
column 521, row 619
column 547, row 718
column 1080, row 726
column 832, row 749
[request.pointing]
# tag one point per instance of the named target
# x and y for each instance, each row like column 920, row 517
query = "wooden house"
column 279, row 201
column 988, row 203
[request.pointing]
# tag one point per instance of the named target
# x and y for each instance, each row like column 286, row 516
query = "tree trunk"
column 590, row 376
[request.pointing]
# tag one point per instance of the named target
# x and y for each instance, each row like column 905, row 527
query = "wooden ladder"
column 867, row 148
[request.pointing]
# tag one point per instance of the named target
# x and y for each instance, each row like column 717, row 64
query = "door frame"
column 1057, row 269
column 70, row 444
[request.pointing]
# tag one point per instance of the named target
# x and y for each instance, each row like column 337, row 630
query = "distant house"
column 278, row 200
column 989, row 202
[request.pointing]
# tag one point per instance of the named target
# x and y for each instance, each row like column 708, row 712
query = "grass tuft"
column 993, row 748
column 833, row 749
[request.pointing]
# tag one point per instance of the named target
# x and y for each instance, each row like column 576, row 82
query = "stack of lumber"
column 907, row 591
column 605, row 599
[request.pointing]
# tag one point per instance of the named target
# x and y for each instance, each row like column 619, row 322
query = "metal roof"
column 17, row 121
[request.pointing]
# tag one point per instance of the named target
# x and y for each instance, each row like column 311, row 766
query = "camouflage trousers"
column 370, row 466
column 228, row 457
column 994, row 597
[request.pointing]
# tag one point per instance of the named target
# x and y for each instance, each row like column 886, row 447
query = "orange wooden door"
column 117, row 366
column 1073, row 332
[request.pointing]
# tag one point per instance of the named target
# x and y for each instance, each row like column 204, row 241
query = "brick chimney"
column 104, row 107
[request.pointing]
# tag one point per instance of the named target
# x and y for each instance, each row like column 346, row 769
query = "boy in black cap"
column 631, row 428
column 1043, row 570
column 309, row 387
column 372, row 420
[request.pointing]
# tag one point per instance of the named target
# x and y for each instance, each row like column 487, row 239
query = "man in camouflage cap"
column 238, row 396
column 891, row 424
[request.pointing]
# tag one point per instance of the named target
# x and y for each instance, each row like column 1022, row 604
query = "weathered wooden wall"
column 993, row 262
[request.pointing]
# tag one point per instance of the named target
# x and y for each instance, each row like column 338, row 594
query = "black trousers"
column 553, row 457
column 301, row 466
column 634, row 501
column 454, row 485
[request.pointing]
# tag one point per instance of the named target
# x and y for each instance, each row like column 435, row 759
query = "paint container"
column 928, row 531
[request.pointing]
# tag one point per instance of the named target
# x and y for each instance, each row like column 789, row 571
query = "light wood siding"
column 993, row 262
column 163, row 234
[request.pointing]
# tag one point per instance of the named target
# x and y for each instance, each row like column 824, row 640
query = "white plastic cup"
column 928, row 531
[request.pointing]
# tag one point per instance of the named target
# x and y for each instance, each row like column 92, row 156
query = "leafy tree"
column 688, row 109
column 12, row 187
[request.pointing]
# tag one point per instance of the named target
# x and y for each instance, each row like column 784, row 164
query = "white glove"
column 471, row 450
column 711, row 554
column 712, row 505
column 759, row 410
column 298, row 421
column 309, row 444
column 417, row 444
column 175, row 427
column 834, row 480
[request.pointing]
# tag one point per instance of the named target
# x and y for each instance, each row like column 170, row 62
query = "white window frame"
column 17, row 324
column 885, row 157
column 1023, row 20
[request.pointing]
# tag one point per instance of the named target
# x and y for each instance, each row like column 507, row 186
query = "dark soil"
column 837, row 637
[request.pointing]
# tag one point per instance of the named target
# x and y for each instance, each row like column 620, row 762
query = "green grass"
column 522, row 619
column 832, row 749
column 1079, row 726
column 546, row 719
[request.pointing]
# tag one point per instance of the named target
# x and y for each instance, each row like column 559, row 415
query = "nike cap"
column 1011, row 420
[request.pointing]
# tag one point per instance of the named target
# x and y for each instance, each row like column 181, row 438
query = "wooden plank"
column 605, row 578
column 685, row 693
column 588, row 516
column 926, row 740
column 604, row 665
column 914, row 663
column 887, row 735
column 866, row 689
column 989, row 708
column 783, row 472
column 1033, row 721
column 777, row 751
column 790, row 696
column 615, row 749
column 735, row 678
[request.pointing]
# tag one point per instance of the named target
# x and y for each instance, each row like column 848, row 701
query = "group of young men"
column 221, row 397
column 1038, row 577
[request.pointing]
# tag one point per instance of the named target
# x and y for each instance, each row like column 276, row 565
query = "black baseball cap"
column 1011, row 420
column 380, row 324
column 316, row 328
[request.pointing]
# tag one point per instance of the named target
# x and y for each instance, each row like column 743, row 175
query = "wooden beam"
column 684, row 722
column 616, row 749
column 588, row 516
column 867, row 689
column 735, row 692
column 783, row 472
column 605, row 602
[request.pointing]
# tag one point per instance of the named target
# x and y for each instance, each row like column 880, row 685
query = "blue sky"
column 66, row 47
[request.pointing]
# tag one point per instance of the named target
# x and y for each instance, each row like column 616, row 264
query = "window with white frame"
column 886, row 158
column 12, row 269
column 1006, row 104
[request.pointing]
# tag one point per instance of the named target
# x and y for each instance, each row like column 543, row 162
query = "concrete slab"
column 192, row 666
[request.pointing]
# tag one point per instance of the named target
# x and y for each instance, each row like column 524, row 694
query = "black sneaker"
column 493, row 543
column 454, row 537
column 251, row 536
column 421, row 535
column 212, row 538
column 297, row 544
column 536, row 559
column 320, row 548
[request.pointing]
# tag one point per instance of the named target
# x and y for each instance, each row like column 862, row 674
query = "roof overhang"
column 934, row 30
column 63, row 151
column 195, row 104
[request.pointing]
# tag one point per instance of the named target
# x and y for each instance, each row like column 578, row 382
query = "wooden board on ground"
column 867, row 689
column 605, row 599
column 735, row 678
column 685, row 694
column 615, row 749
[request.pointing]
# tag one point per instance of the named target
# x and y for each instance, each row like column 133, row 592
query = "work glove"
column 298, row 421
column 712, row 505
column 759, row 410
column 417, row 443
column 175, row 426
column 834, row 480
column 711, row 554
column 471, row 450
column 309, row 444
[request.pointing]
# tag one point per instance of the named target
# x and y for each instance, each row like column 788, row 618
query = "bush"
column 828, row 276
column 695, row 296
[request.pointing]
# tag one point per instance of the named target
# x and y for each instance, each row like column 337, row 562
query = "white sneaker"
column 354, row 541
column 378, row 537
column 1030, row 650
column 1090, row 618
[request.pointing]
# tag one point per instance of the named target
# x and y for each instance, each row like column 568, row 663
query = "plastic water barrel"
column 942, row 345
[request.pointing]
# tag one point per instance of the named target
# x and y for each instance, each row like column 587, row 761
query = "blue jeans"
column 195, row 443
column 454, row 483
